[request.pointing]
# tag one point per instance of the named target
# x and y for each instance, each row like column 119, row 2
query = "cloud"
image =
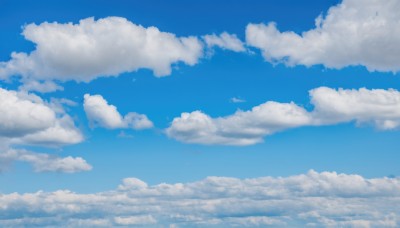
column 98, row 48
column 241, row 128
column 225, row 41
column 377, row 106
column 44, row 162
column 325, row 199
column 26, row 119
column 102, row 114
column 237, row 100
column 41, row 87
column 352, row 33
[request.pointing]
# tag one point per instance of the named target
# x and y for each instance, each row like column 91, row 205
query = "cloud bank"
column 102, row 114
column 352, row 33
column 325, row 199
column 378, row 107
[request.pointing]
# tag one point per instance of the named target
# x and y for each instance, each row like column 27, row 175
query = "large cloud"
column 355, row 32
column 324, row 199
column 102, row 114
column 377, row 106
column 44, row 162
column 95, row 48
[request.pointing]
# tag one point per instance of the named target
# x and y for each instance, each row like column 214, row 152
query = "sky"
column 199, row 114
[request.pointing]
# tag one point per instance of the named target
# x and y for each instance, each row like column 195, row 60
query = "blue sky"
column 340, row 128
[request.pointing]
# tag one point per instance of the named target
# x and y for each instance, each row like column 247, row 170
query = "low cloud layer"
column 378, row 107
column 102, row 114
column 314, row 199
column 351, row 33
column 96, row 48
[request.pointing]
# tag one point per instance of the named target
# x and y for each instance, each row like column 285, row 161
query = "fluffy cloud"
column 377, row 106
column 352, row 33
column 21, row 114
column 26, row 119
column 225, row 41
column 102, row 114
column 324, row 199
column 241, row 128
column 95, row 48
column 44, row 162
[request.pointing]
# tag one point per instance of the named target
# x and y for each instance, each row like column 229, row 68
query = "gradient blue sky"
column 208, row 86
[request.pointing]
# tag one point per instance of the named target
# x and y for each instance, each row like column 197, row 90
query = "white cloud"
column 135, row 220
column 352, row 33
column 225, row 41
column 26, row 119
column 96, row 48
column 325, row 199
column 21, row 114
column 377, row 106
column 44, row 162
column 41, row 87
column 102, row 114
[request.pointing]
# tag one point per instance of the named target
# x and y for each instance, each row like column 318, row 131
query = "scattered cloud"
column 237, row 100
column 225, row 41
column 98, row 48
column 351, row 33
column 41, row 87
column 102, row 114
column 44, row 162
column 377, row 106
column 325, row 199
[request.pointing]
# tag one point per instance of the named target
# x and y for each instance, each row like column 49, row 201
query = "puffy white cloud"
column 352, row 33
column 241, row 128
column 44, row 162
column 379, row 107
column 26, row 119
column 21, row 114
column 225, row 41
column 96, row 48
column 325, row 199
column 102, row 114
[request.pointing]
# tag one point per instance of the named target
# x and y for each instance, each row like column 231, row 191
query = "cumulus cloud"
column 377, row 106
column 325, row 199
column 241, row 128
column 352, row 33
column 44, row 162
column 225, row 41
column 26, row 119
column 95, row 48
column 102, row 114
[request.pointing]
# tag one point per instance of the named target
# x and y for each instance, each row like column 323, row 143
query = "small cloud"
column 123, row 134
column 237, row 100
